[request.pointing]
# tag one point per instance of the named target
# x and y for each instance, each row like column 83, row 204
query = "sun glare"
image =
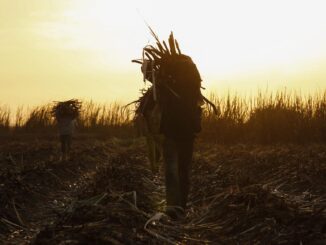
column 239, row 45
column 228, row 38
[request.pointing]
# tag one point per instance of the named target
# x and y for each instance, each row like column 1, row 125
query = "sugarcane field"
column 106, row 194
column 174, row 122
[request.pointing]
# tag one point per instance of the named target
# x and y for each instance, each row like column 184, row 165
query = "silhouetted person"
column 66, row 113
column 176, row 91
column 66, row 127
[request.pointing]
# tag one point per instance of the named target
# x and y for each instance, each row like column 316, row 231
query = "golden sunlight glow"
column 52, row 50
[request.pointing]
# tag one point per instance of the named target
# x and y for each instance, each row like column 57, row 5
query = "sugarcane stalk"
column 177, row 45
column 171, row 43
column 154, row 82
column 166, row 48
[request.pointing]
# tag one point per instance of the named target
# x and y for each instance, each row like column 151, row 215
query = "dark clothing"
column 65, row 143
column 180, row 118
column 177, row 156
column 180, row 100
column 180, row 122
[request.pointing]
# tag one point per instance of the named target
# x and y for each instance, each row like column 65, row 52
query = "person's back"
column 66, row 128
column 66, row 113
column 66, row 125
column 181, row 112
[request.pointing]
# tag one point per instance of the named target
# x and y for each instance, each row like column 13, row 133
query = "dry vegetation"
column 98, row 119
column 266, row 118
column 243, row 192
column 106, row 194
column 4, row 119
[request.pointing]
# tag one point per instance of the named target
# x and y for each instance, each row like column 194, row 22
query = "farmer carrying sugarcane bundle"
column 171, row 107
column 66, row 113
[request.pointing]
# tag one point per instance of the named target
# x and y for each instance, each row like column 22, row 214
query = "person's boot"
column 175, row 212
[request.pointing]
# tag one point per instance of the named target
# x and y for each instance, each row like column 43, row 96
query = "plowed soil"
column 106, row 194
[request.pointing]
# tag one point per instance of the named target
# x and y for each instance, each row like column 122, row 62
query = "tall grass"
column 4, row 119
column 101, row 119
column 39, row 118
column 268, row 117
column 100, row 116
column 108, row 119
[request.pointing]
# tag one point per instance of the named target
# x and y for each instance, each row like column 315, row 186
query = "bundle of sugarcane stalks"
column 170, row 72
column 163, row 66
column 70, row 108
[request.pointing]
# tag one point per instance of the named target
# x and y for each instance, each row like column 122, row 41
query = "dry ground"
column 105, row 194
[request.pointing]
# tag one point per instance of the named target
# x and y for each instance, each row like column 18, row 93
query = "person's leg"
column 69, row 139
column 157, row 153
column 152, row 153
column 63, row 146
column 170, row 158
column 185, row 150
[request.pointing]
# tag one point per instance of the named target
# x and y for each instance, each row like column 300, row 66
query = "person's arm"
column 74, row 123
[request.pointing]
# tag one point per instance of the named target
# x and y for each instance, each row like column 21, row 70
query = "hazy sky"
column 59, row 49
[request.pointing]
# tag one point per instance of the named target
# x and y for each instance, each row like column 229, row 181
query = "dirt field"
column 105, row 194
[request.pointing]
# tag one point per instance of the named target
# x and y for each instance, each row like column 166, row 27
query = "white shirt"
column 66, row 126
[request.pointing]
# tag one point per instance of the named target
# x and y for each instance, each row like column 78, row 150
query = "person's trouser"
column 65, row 144
column 177, row 155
